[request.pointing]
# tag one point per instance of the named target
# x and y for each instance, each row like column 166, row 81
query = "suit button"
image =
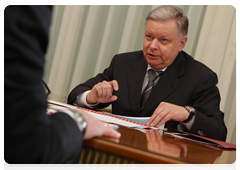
column 200, row 132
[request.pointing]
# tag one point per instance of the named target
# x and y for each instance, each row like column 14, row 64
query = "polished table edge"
column 131, row 152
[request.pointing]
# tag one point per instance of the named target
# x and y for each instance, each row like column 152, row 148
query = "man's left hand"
column 167, row 111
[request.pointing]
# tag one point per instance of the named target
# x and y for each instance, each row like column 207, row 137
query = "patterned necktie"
column 152, row 76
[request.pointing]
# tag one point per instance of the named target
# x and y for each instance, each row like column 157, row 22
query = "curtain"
column 84, row 38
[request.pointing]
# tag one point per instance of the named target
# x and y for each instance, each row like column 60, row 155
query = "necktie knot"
column 153, row 74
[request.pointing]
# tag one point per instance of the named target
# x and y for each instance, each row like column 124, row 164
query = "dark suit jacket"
column 30, row 136
column 185, row 82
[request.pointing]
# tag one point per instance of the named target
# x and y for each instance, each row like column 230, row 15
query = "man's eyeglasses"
column 46, row 88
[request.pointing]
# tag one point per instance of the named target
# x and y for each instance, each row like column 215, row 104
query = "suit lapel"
column 135, row 81
column 166, row 85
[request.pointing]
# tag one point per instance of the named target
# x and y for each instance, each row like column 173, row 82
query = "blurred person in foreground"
column 30, row 135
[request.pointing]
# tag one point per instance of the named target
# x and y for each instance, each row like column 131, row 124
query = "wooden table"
column 152, row 146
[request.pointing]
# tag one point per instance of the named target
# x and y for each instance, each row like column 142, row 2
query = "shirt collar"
column 149, row 67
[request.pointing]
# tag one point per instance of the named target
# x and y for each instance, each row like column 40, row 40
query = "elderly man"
column 161, row 81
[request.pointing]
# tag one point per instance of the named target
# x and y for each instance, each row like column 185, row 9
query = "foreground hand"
column 102, row 92
column 96, row 128
column 167, row 111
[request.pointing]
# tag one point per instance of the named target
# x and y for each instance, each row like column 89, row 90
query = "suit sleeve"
column 206, row 100
column 31, row 136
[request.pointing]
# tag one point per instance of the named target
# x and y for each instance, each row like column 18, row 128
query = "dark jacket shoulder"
column 186, row 64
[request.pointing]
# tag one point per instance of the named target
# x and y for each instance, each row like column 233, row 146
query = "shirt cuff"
column 81, row 100
column 189, row 124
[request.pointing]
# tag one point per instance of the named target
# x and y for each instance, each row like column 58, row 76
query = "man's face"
column 161, row 43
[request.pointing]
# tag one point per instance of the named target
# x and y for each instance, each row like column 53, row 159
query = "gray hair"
column 167, row 12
